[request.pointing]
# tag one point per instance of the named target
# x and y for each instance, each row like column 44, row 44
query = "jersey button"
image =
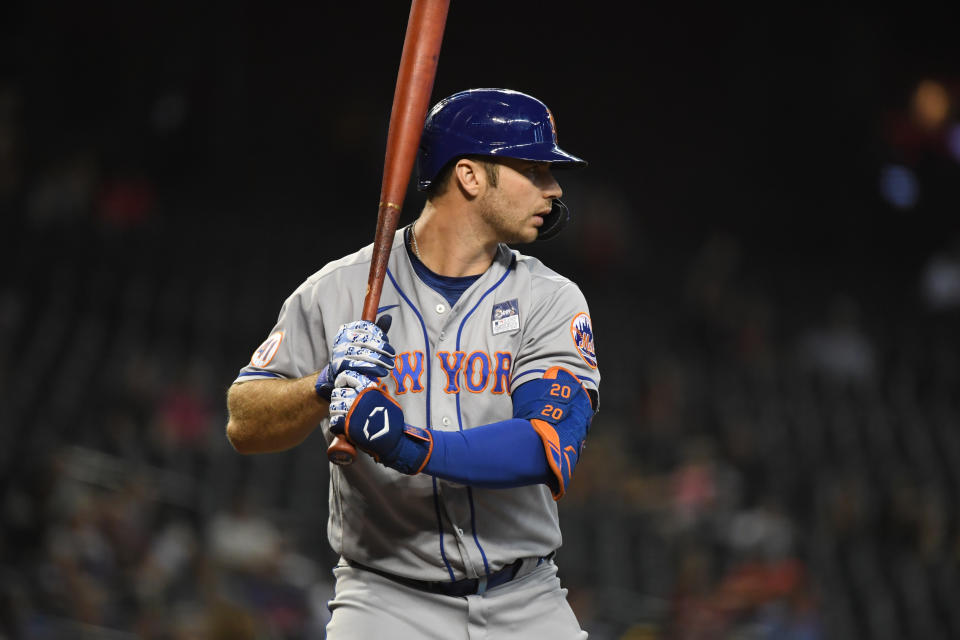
column 446, row 421
column 441, row 308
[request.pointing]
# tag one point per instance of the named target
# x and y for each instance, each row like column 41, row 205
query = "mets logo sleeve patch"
column 582, row 333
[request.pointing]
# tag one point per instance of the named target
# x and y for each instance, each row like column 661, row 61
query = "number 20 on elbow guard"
column 551, row 411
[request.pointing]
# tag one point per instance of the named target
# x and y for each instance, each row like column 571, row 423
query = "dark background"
column 169, row 173
column 771, row 126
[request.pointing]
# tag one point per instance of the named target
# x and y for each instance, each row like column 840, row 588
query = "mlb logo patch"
column 506, row 316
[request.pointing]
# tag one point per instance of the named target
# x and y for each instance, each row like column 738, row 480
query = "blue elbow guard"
column 560, row 412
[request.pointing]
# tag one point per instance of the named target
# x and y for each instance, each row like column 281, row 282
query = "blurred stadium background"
column 767, row 235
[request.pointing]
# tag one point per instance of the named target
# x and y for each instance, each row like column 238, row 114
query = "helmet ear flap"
column 555, row 221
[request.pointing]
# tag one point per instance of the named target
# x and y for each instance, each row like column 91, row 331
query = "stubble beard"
column 507, row 230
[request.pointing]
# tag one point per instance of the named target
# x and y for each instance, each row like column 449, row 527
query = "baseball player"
column 473, row 412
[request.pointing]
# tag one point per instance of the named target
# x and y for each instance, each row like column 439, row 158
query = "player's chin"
column 532, row 231
column 524, row 232
column 526, row 235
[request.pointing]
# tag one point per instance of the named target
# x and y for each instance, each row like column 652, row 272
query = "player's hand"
column 359, row 346
column 349, row 385
column 373, row 422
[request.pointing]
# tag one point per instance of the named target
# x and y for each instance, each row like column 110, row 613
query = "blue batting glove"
column 359, row 346
column 349, row 384
column 373, row 422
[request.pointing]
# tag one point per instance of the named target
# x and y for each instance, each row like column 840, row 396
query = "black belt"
column 457, row 589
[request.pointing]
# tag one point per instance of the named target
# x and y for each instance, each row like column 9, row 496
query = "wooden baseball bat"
column 411, row 99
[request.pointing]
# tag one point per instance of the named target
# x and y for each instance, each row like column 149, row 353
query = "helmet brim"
column 557, row 157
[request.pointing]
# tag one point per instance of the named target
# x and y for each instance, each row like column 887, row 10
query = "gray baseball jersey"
column 455, row 368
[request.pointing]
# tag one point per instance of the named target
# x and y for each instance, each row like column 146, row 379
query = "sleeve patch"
column 582, row 333
column 266, row 351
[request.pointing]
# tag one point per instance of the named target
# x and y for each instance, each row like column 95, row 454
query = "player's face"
column 514, row 209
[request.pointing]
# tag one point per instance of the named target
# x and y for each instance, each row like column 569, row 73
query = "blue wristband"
column 325, row 384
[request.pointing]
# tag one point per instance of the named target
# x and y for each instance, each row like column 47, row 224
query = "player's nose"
column 550, row 186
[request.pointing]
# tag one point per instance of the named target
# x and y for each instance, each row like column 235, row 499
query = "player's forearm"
column 542, row 442
column 273, row 415
column 495, row 456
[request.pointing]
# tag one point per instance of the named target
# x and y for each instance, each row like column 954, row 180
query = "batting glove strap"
column 375, row 424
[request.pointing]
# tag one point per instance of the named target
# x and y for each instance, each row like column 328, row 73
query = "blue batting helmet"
column 498, row 123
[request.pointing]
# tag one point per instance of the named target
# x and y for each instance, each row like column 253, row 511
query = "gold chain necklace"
column 413, row 237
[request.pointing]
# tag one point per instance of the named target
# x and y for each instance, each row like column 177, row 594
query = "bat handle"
column 340, row 452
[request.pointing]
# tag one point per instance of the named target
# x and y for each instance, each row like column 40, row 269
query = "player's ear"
column 469, row 176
